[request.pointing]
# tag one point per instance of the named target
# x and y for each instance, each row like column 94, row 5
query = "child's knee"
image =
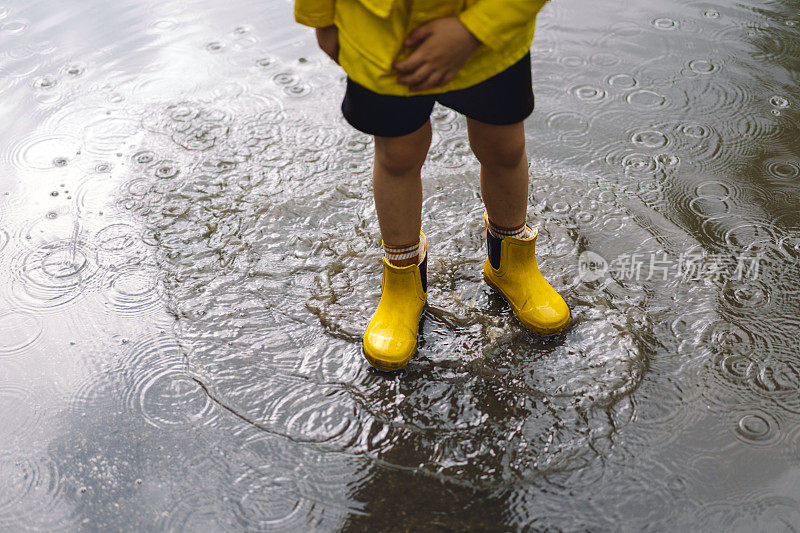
column 504, row 153
column 401, row 156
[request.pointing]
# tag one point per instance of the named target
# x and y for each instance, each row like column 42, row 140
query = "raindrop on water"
column 165, row 24
column 650, row 139
column 166, row 170
column 624, row 81
column 74, row 70
column 265, row 62
column 589, row 93
column 646, row 98
column 47, row 81
column 693, row 130
column 297, row 90
column 144, row 157
column 784, row 169
column 702, row 66
column 665, row 24
column 214, row 47
column 754, row 428
column 285, row 78
column 779, row 101
column 14, row 26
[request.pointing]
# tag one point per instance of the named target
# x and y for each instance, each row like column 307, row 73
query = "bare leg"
column 504, row 185
column 397, row 185
column 504, row 170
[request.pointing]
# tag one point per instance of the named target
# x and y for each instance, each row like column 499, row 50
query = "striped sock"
column 405, row 255
column 520, row 232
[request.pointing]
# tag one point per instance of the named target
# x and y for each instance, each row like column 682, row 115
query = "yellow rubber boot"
column 391, row 337
column 511, row 269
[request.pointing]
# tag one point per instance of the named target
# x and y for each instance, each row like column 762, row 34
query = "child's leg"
column 397, row 186
column 504, row 170
column 510, row 266
column 391, row 336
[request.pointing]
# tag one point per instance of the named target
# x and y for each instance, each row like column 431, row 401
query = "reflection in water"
column 191, row 255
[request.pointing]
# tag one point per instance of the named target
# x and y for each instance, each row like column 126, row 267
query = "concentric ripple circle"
column 650, row 139
column 116, row 237
column 784, row 169
column 18, row 331
column 133, row 289
column 646, row 99
column 589, row 93
column 30, row 490
column 57, row 224
column 778, row 380
column 757, row 428
column 44, row 152
column 104, row 136
column 20, row 414
column 703, row 66
column 159, row 388
column 622, row 81
column 665, row 23
column 267, row 500
column 54, row 274
column 14, row 27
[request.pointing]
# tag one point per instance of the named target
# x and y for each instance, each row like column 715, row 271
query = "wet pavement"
column 189, row 256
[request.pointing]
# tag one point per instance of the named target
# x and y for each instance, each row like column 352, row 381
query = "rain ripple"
column 44, row 151
column 31, row 493
column 133, row 290
column 18, row 331
column 158, row 386
column 53, row 274
column 757, row 428
column 21, row 415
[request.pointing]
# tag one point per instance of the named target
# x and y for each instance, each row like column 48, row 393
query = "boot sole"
column 546, row 332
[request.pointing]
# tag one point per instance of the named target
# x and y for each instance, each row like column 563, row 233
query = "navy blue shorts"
column 505, row 98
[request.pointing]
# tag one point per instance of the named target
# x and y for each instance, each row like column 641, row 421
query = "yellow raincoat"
column 371, row 35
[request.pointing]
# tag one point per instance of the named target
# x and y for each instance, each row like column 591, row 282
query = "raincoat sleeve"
column 314, row 13
column 496, row 22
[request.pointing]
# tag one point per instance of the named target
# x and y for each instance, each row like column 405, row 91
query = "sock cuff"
column 400, row 257
column 404, row 252
column 400, row 249
column 501, row 232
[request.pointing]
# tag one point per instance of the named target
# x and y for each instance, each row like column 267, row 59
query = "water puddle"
column 191, row 257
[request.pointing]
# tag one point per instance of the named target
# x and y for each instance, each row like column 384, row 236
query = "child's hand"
column 442, row 47
column 328, row 41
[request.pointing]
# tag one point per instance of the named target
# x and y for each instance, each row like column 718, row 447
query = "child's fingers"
column 437, row 79
column 434, row 80
column 418, row 35
column 448, row 77
column 417, row 77
column 411, row 63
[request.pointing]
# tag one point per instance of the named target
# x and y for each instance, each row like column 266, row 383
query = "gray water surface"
column 190, row 255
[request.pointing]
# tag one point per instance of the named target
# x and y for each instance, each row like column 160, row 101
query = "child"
column 472, row 56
